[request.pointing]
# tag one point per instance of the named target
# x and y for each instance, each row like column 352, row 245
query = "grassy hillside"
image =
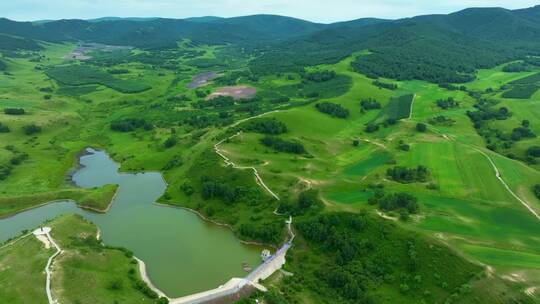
column 392, row 183
column 351, row 258
column 85, row 272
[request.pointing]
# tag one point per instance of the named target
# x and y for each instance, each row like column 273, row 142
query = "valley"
column 408, row 178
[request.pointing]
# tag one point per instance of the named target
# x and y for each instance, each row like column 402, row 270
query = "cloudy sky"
column 315, row 10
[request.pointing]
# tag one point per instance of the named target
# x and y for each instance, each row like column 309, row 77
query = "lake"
column 183, row 253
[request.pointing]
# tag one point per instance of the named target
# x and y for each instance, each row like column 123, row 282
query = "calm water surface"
column 183, row 254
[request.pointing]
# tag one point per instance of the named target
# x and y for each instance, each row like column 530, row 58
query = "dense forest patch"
column 269, row 126
column 333, row 87
column 78, row 75
column 352, row 258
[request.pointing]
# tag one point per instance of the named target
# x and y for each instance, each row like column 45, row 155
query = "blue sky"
column 314, row 10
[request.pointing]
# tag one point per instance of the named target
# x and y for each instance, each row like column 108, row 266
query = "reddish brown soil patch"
column 238, row 92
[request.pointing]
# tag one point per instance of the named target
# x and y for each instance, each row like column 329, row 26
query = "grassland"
column 98, row 199
column 468, row 210
column 466, row 207
column 85, row 272
column 21, row 275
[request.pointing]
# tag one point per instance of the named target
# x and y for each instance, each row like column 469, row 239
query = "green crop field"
column 397, row 108
column 521, row 91
column 527, row 80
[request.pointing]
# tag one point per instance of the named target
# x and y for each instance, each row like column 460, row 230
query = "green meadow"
column 462, row 203
column 468, row 207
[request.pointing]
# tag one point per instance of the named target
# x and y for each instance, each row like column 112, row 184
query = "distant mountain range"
column 442, row 48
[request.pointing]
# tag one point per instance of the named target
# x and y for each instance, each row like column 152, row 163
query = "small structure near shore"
column 265, row 255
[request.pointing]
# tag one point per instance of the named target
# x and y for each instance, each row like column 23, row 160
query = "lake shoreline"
column 206, row 219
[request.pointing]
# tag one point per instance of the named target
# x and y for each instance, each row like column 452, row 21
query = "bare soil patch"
column 82, row 50
column 202, row 79
column 237, row 92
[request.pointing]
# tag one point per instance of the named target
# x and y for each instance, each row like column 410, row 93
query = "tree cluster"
column 130, row 124
column 421, row 127
column 516, row 67
column 319, row 76
column 4, row 128
column 452, row 87
column 282, row 145
column 17, row 158
column 441, row 120
column 400, row 201
column 14, row 111
column 408, row 175
column 533, row 151
column 269, row 233
column 370, row 104
column 228, row 193
column 447, row 103
column 31, row 129
column 217, row 102
column 485, row 112
column 333, row 109
column 385, row 85
column 270, row 126
column 307, row 201
column 536, row 190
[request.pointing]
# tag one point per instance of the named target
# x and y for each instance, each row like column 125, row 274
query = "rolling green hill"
column 406, row 151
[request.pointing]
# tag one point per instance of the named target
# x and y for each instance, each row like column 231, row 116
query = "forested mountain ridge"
column 161, row 32
column 437, row 48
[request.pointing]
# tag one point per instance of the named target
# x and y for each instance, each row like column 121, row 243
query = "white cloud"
column 316, row 10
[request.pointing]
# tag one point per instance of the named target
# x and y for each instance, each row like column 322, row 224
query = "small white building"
column 265, row 254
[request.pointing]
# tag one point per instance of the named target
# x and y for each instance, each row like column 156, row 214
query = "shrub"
column 421, row 127
column 14, row 111
column 115, row 284
column 187, row 189
column 371, row 127
column 130, row 124
column 534, row 151
column 170, row 142
column 5, row 171
column 31, row 129
column 536, row 190
column 4, row 128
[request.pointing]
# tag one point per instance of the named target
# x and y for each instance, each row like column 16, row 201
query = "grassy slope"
column 83, row 273
column 21, row 272
column 471, row 211
column 98, row 199
column 465, row 199
column 86, row 271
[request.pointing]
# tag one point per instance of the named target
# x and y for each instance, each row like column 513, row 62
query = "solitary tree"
column 421, row 127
